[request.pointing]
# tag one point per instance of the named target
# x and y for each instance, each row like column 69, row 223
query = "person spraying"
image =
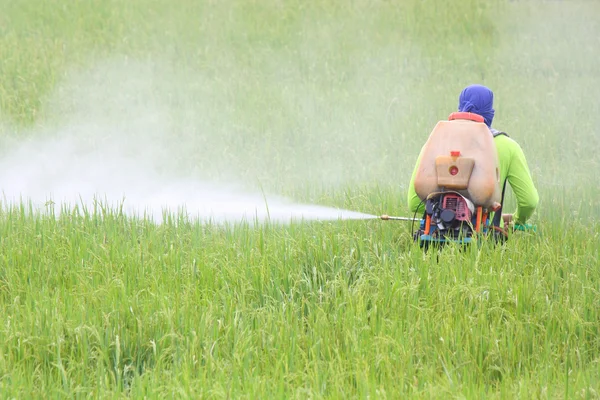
column 455, row 183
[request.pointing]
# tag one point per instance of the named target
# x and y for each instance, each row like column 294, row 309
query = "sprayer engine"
column 450, row 215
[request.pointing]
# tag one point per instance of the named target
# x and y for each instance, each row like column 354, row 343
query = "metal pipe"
column 390, row 218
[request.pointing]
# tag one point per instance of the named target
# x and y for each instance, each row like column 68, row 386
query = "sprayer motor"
column 450, row 214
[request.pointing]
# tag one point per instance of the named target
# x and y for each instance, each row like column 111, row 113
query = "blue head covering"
column 479, row 100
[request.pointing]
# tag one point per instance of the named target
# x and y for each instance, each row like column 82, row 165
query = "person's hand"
column 507, row 219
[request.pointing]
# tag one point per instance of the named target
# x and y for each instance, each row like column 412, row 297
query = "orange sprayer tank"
column 460, row 155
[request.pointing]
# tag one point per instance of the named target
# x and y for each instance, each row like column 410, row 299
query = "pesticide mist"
column 112, row 148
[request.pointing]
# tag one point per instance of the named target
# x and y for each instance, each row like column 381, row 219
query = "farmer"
column 479, row 100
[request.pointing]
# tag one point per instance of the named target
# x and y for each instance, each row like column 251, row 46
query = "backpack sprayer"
column 457, row 179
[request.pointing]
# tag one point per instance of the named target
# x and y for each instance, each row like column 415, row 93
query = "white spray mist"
column 113, row 145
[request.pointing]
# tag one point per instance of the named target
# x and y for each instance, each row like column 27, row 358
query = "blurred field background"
column 325, row 102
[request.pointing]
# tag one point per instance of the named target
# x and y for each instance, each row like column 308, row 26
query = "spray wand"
column 390, row 218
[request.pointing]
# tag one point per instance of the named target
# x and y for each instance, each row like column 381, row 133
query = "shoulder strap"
column 498, row 214
column 496, row 132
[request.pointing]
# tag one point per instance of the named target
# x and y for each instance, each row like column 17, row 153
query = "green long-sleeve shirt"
column 513, row 166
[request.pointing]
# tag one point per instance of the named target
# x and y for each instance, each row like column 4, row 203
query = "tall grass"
column 103, row 304
column 324, row 102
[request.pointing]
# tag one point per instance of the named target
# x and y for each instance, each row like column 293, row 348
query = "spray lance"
column 390, row 218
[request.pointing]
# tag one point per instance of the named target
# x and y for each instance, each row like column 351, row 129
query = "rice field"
column 322, row 102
